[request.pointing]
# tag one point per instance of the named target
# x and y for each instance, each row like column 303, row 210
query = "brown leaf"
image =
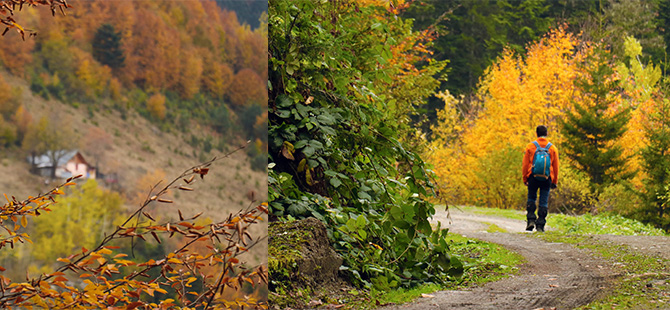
column 287, row 150
column 134, row 305
column 148, row 216
column 155, row 237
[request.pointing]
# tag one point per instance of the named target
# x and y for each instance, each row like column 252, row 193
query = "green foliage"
column 334, row 143
column 80, row 219
column 637, row 19
column 248, row 119
column 107, row 46
column 593, row 126
column 498, row 177
column 643, row 78
column 7, row 133
column 248, row 12
column 656, row 163
column 588, row 224
column 483, row 29
column 221, row 119
column 483, row 261
column 573, row 195
column 619, row 198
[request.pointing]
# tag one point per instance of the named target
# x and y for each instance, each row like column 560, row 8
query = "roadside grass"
column 643, row 281
column 611, row 224
column 586, row 224
column 508, row 213
column 483, row 262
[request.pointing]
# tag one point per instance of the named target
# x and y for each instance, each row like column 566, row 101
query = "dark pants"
column 544, row 187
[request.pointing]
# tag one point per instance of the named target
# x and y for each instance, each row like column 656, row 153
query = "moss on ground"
column 283, row 256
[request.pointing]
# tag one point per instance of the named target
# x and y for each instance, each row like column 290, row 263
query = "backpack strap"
column 538, row 147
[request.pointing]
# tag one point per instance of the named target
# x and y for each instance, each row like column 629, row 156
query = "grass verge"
column 586, row 224
column 508, row 213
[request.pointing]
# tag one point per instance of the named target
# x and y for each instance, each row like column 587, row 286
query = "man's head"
column 541, row 131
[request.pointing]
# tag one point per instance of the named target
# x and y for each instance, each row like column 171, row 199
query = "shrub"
column 618, row 198
column 573, row 194
column 156, row 106
column 499, row 180
column 7, row 133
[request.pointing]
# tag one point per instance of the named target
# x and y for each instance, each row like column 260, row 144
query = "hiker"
column 540, row 171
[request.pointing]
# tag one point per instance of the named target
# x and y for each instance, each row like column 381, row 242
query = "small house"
column 69, row 163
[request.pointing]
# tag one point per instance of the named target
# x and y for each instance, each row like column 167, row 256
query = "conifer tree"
column 107, row 47
column 656, row 163
column 596, row 122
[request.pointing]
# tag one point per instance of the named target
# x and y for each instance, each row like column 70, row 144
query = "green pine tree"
column 107, row 47
column 656, row 163
column 591, row 128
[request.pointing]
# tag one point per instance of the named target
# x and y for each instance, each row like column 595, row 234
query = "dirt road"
column 555, row 275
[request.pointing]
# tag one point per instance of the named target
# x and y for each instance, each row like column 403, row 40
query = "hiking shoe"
column 540, row 228
column 530, row 226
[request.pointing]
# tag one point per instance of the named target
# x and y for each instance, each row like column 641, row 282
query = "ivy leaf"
column 335, row 182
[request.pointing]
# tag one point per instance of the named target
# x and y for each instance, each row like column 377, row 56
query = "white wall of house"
column 78, row 168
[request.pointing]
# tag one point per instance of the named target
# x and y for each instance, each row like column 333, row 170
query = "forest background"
column 144, row 89
column 377, row 106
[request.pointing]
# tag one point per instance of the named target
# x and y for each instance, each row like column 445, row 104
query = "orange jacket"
column 528, row 159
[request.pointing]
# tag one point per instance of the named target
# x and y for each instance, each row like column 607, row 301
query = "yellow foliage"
column 192, row 73
column 94, row 76
column 80, row 219
column 156, row 106
column 516, row 94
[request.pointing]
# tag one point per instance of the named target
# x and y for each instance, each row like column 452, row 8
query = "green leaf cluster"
column 335, row 142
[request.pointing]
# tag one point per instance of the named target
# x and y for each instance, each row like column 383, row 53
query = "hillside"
column 144, row 90
column 138, row 148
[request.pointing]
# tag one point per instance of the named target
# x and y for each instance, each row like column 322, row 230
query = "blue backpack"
column 541, row 162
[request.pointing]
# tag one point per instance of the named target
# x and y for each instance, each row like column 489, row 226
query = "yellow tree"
column 156, row 106
column 640, row 84
column 516, row 94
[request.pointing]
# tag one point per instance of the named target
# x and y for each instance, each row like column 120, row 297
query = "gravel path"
column 555, row 275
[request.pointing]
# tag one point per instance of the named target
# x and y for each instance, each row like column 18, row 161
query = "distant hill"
column 145, row 89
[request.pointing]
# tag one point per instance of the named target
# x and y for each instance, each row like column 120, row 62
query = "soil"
column 301, row 255
column 555, row 275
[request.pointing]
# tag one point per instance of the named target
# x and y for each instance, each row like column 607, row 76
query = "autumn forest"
column 135, row 136
column 382, row 112
column 236, row 154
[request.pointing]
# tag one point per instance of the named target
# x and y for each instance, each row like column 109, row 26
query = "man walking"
column 540, row 171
